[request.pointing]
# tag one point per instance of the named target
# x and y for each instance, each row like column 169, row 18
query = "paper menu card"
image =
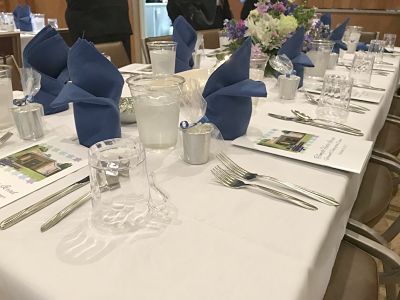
column 27, row 169
column 338, row 152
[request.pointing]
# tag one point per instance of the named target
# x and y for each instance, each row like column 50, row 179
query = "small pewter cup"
column 196, row 144
column 28, row 120
column 288, row 86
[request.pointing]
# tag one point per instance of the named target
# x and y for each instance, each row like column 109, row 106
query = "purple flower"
column 279, row 7
column 256, row 51
column 235, row 30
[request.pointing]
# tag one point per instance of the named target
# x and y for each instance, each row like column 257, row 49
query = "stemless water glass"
column 390, row 41
column 352, row 37
column 52, row 22
column 377, row 47
column 38, row 22
column 6, row 96
column 257, row 66
column 162, row 56
column 335, row 98
column 319, row 54
column 361, row 69
column 223, row 39
column 119, row 185
column 156, row 101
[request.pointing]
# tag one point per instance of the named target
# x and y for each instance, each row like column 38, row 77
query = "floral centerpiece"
column 269, row 25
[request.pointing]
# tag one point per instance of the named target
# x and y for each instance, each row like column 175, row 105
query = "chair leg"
column 391, row 291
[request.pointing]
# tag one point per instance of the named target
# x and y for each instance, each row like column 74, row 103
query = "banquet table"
column 222, row 243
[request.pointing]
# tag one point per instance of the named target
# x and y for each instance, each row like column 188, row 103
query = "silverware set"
column 5, row 137
column 234, row 176
column 34, row 208
column 302, row 118
column 355, row 108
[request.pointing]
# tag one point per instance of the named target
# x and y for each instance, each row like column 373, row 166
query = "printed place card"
column 338, row 152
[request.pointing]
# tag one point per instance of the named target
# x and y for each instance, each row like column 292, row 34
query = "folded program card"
column 338, row 152
column 32, row 167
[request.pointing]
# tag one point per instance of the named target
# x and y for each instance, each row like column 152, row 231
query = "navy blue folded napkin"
column 95, row 90
column 362, row 47
column 337, row 36
column 185, row 37
column 326, row 19
column 22, row 17
column 228, row 93
column 47, row 53
column 292, row 48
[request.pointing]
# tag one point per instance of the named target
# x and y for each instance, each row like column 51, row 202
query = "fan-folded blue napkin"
column 95, row 90
column 326, row 19
column 337, row 36
column 185, row 37
column 292, row 48
column 228, row 93
column 22, row 17
column 47, row 53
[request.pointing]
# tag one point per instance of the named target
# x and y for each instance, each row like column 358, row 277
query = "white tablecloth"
column 225, row 244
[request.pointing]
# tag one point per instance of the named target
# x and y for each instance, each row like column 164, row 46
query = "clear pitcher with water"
column 319, row 54
column 6, row 97
column 157, row 104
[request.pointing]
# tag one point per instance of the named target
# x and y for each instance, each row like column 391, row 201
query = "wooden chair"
column 145, row 49
column 366, row 37
column 116, row 51
column 211, row 38
column 10, row 44
column 67, row 36
column 9, row 60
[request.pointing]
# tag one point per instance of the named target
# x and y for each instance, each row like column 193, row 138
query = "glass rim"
column 323, row 42
column 133, row 80
column 93, row 150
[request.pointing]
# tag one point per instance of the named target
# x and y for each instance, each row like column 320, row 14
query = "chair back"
column 211, row 38
column 145, row 49
column 9, row 60
column 374, row 195
column 367, row 36
column 116, row 51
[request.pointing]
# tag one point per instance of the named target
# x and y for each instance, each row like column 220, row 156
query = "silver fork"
column 230, row 181
column 5, row 137
column 243, row 173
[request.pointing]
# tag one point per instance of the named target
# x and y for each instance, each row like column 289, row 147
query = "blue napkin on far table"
column 292, row 48
column 228, row 93
column 47, row 53
column 337, row 36
column 22, row 17
column 95, row 91
column 326, row 19
column 185, row 37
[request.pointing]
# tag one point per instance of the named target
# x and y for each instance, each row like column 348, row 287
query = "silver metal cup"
column 288, row 86
column 196, row 144
column 28, row 120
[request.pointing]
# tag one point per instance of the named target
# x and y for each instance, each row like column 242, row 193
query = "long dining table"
column 221, row 243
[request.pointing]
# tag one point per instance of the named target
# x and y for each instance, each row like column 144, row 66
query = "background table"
column 224, row 243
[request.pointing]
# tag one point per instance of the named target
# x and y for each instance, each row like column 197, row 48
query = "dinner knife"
column 34, row 208
column 319, row 125
column 66, row 211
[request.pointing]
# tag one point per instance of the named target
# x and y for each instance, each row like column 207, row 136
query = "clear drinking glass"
column 156, row 101
column 223, row 38
column 53, row 22
column 319, row 54
column 28, row 120
column 335, row 98
column 162, row 56
column 257, row 66
column 38, row 22
column 119, row 185
column 6, row 97
column 361, row 69
column 377, row 47
column 390, row 41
